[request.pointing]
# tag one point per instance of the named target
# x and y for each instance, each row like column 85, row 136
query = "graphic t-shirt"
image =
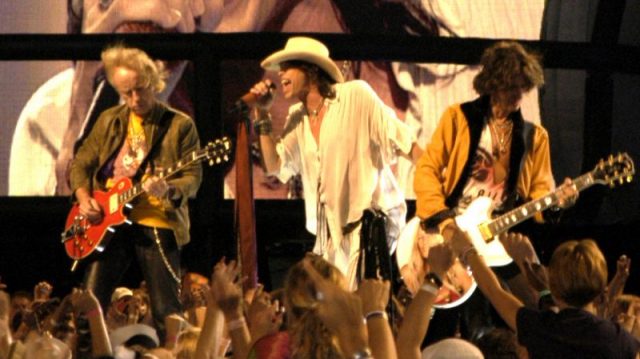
column 147, row 210
column 485, row 179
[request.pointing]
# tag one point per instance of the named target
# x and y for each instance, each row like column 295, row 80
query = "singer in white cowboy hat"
column 341, row 138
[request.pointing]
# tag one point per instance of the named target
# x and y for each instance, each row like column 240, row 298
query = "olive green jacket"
column 179, row 139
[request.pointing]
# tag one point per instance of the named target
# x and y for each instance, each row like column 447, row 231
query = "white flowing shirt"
column 349, row 171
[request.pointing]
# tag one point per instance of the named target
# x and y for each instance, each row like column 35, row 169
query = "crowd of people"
column 342, row 140
column 315, row 315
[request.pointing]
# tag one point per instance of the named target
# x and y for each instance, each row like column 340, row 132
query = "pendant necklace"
column 314, row 113
column 503, row 133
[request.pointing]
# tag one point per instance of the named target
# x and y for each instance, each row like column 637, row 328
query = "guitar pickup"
column 486, row 233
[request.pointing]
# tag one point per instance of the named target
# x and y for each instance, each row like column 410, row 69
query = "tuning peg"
column 612, row 184
column 629, row 178
column 210, row 161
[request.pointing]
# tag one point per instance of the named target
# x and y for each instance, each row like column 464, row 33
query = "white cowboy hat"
column 304, row 49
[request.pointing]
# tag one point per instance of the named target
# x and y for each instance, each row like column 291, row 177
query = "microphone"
column 249, row 99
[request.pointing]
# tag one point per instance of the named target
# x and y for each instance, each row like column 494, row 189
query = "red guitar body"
column 80, row 237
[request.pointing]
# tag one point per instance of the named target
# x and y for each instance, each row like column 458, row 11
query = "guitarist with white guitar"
column 133, row 142
column 486, row 149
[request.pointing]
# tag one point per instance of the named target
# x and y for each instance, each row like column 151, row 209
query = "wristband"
column 430, row 288
column 263, row 126
column 236, row 324
column 544, row 293
column 94, row 312
column 375, row 314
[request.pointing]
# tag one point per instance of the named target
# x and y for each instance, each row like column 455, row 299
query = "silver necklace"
column 314, row 113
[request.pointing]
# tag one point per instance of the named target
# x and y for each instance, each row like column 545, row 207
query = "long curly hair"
column 507, row 65
column 309, row 337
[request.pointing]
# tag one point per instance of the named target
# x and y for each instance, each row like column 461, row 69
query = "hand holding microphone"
column 261, row 95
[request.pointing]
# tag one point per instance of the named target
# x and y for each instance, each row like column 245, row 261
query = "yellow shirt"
column 147, row 210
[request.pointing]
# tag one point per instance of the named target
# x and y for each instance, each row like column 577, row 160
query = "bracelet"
column 465, row 255
column 263, row 126
column 94, row 312
column 375, row 314
column 434, row 279
column 362, row 354
column 430, row 288
column 236, row 324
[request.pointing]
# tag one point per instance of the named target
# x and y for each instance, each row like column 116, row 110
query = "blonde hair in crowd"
column 151, row 73
column 309, row 337
column 577, row 272
column 187, row 343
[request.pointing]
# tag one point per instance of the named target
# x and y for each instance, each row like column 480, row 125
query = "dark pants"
column 136, row 242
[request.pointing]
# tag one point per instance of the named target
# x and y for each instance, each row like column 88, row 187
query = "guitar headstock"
column 217, row 151
column 618, row 169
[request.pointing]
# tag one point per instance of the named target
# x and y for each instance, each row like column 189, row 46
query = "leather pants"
column 138, row 243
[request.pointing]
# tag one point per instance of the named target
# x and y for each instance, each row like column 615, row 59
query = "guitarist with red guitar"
column 130, row 153
column 485, row 149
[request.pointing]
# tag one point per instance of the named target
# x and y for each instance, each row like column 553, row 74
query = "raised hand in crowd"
column 619, row 280
column 265, row 316
column 226, row 291
column 87, row 305
column 341, row 312
column 418, row 314
column 211, row 337
column 520, row 249
column 630, row 320
column 375, row 294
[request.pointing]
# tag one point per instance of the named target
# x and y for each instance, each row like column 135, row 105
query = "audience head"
column 187, row 342
column 308, row 335
column 577, row 272
column 500, row 343
column 138, row 338
column 46, row 347
column 451, row 348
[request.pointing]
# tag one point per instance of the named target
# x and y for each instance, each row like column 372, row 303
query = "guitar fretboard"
column 518, row 215
column 136, row 190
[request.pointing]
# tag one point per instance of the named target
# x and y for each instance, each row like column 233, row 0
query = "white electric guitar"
column 476, row 221
column 483, row 230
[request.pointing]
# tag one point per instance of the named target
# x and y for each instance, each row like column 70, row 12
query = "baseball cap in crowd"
column 135, row 334
column 121, row 293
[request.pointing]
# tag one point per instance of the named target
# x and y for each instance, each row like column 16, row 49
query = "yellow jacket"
column 444, row 168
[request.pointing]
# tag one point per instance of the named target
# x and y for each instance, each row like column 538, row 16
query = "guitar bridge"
column 486, row 232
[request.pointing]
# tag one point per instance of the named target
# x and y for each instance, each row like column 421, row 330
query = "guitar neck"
column 518, row 215
column 136, row 190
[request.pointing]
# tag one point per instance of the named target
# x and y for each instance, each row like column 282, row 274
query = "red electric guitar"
column 81, row 238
